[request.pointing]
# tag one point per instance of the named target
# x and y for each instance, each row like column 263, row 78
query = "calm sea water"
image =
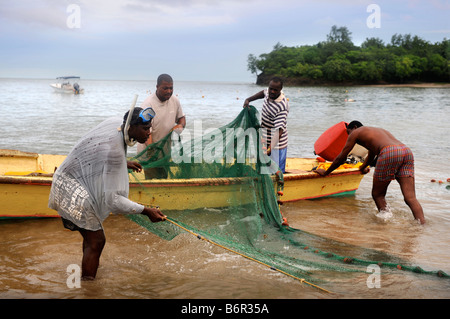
column 34, row 254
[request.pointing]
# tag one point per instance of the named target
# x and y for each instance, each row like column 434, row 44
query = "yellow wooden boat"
column 25, row 180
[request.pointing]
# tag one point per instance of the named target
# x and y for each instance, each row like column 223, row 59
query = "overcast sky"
column 190, row 39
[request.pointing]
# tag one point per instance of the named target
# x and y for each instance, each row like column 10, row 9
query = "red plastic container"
column 331, row 142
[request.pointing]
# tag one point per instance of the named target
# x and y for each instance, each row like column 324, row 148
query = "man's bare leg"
column 93, row 243
column 379, row 190
column 407, row 185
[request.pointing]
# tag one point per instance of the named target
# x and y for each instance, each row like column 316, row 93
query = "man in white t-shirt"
column 169, row 117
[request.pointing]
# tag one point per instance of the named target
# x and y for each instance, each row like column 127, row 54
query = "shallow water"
column 35, row 254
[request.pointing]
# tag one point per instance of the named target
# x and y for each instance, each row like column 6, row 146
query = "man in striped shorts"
column 394, row 161
column 274, row 115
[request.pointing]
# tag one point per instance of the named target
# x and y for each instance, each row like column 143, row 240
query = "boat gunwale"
column 312, row 174
column 46, row 180
column 26, row 180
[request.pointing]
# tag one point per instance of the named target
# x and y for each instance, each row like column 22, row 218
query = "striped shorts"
column 394, row 161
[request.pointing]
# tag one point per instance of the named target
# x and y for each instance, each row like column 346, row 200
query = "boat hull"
column 66, row 90
column 25, row 198
column 25, row 194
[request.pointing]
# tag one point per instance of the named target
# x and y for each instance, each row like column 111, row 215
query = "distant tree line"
column 337, row 60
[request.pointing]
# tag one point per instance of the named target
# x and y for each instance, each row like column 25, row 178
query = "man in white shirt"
column 169, row 117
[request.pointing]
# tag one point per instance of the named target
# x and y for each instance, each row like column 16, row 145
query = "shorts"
column 394, row 161
column 279, row 156
column 69, row 225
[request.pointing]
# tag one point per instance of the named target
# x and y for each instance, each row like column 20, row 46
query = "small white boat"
column 64, row 85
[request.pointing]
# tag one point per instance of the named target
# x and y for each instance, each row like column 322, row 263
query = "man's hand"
column 154, row 214
column 246, row 103
column 178, row 129
column 135, row 166
column 320, row 171
column 364, row 170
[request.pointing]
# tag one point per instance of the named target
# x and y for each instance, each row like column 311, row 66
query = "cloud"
column 119, row 38
column 154, row 15
column 132, row 15
column 442, row 31
column 139, row 15
column 47, row 14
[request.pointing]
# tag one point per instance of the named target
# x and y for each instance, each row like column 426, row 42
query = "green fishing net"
column 247, row 219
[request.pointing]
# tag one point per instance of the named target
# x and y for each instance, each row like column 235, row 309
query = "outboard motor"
column 76, row 87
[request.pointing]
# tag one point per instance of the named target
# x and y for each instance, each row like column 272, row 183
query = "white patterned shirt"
column 274, row 116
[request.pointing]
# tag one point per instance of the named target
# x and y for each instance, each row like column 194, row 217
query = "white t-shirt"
column 167, row 115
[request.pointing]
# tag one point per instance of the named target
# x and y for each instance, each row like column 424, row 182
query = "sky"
column 192, row 40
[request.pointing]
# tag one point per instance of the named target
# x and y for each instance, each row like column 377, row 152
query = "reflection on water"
column 35, row 254
column 137, row 264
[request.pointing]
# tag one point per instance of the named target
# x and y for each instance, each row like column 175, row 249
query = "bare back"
column 373, row 138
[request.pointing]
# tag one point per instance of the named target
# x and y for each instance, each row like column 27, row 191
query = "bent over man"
column 92, row 182
column 395, row 161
